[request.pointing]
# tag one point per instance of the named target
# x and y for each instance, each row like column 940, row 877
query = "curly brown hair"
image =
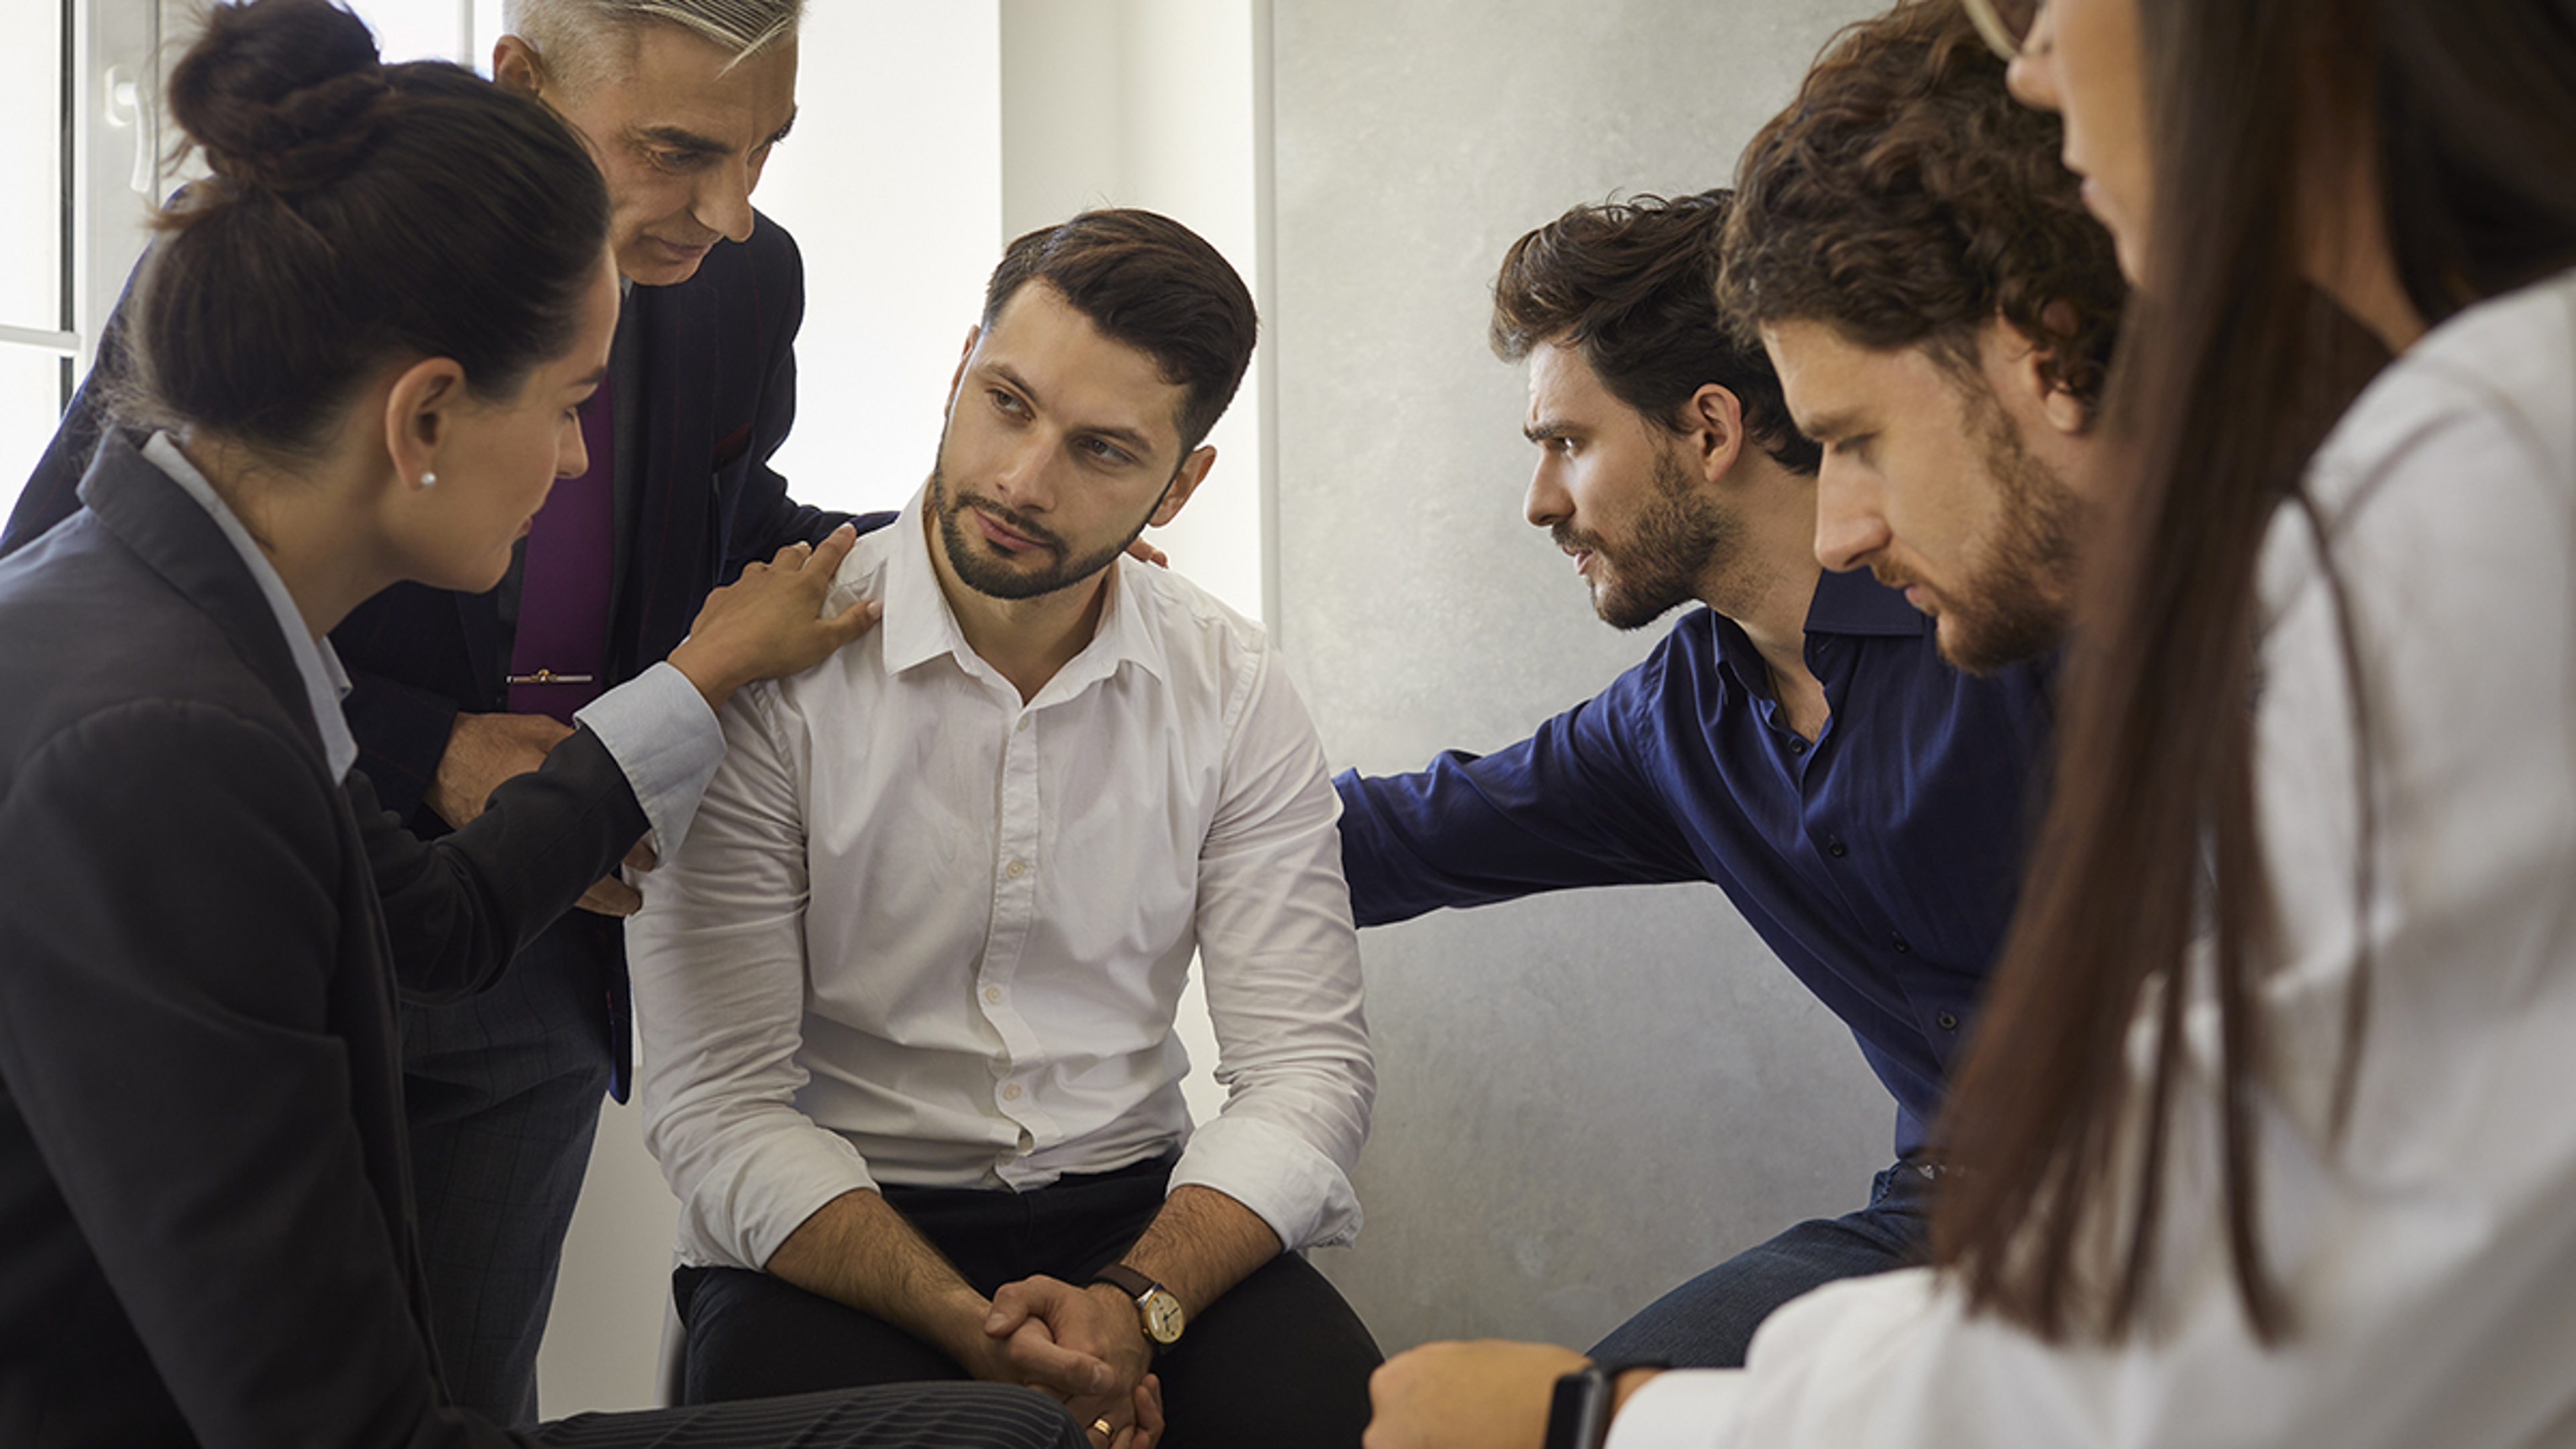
column 1905, row 197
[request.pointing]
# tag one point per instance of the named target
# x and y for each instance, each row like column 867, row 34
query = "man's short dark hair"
column 1906, row 199
column 1153, row 284
column 1632, row 286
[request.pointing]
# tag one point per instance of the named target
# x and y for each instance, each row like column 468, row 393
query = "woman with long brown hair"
column 2267, row 1139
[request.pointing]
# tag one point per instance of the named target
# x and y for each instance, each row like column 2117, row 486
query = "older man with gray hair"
column 681, row 102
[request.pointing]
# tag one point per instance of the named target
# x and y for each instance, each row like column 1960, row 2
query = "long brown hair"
column 2230, row 370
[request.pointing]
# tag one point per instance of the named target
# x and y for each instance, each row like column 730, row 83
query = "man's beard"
column 990, row 576
column 1671, row 544
column 2012, row 605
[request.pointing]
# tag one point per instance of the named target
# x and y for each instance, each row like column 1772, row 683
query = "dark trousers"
column 927, row 1416
column 502, row 1091
column 1280, row 1360
column 1709, row 1321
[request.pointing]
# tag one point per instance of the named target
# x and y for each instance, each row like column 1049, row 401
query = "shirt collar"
column 1855, row 603
column 920, row 626
column 325, row 682
column 1845, row 604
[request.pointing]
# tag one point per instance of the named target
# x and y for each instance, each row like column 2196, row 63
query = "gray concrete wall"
column 1586, row 1097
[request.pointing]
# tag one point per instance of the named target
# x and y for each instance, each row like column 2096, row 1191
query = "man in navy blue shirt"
column 1804, row 741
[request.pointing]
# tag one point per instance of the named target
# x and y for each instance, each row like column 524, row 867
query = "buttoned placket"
column 1018, row 831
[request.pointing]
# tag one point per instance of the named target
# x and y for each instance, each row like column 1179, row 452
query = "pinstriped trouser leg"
column 909, row 1416
column 502, row 1091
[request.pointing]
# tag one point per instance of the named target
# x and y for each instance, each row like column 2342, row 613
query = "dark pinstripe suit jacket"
column 205, row 1211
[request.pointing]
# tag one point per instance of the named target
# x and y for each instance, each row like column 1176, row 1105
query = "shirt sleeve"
column 661, row 733
column 1572, row 805
column 1281, row 963
column 717, row 958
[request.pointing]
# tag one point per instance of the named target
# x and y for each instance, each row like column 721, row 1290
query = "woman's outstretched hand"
column 770, row 621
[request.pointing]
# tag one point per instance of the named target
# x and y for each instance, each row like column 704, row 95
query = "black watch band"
column 1578, row 1416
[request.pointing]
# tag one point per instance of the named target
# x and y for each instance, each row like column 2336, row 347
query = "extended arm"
column 1575, row 804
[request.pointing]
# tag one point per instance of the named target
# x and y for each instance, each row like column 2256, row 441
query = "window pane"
column 31, row 168
column 416, row 29
column 31, row 391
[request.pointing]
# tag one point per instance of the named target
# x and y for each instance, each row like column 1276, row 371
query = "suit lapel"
column 179, row 541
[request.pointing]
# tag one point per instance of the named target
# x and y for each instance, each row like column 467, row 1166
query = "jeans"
column 1708, row 1322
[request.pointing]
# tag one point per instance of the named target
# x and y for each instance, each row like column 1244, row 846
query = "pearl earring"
column 428, row 480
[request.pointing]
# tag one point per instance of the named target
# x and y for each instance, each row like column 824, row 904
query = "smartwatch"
column 1157, row 1311
column 1578, row 1417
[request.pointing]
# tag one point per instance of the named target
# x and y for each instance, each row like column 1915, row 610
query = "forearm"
column 1200, row 1245
column 856, row 1249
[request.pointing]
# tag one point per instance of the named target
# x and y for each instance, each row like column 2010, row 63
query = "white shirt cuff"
column 661, row 733
column 1285, row 1180
column 1697, row 1408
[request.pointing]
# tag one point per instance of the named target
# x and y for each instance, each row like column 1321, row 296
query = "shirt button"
column 1836, row 849
column 1797, row 746
column 993, row 994
column 1022, row 726
column 1900, row 945
column 1947, row 1021
column 1011, row 1093
column 1016, row 869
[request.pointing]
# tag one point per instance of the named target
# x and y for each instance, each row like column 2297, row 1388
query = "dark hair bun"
column 282, row 94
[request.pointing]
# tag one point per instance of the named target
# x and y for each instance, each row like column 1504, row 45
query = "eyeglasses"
column 2005, row 24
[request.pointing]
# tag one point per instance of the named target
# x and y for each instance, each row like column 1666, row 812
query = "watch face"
column 1162, row 1314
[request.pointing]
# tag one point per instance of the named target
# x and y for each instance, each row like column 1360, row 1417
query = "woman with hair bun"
column 362, row 342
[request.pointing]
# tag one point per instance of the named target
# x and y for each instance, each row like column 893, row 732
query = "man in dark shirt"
column 1802, row 741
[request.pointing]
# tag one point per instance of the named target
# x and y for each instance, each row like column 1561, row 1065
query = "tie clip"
column 548, row 676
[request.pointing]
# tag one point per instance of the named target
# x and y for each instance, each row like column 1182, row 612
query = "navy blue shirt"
column 1880, row 862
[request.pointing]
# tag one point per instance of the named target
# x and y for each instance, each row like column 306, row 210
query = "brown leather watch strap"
column 1127, row 1280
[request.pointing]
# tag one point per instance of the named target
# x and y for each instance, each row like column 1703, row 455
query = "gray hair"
column 567, row 32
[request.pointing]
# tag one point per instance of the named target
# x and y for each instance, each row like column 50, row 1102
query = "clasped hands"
column 1082, row 1347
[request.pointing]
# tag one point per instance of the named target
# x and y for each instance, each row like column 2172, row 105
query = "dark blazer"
column 205, row 1208
column 715, row 397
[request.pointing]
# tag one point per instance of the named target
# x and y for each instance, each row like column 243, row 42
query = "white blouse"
column 2430, row 1257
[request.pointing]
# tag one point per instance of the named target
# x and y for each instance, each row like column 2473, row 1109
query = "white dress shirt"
column 925, row 934
column 2430, row 1256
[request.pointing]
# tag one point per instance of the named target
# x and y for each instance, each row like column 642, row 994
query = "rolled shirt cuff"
column 1286, row 1181
column 661, row 733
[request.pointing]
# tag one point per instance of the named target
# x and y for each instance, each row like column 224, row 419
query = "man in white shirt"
column 907, row 992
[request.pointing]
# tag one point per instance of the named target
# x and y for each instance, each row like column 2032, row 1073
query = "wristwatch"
column 1578, row 1417
column 1157, row 1311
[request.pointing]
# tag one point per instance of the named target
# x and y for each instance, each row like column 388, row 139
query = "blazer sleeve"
column 458, row 908
column 174, row 1026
